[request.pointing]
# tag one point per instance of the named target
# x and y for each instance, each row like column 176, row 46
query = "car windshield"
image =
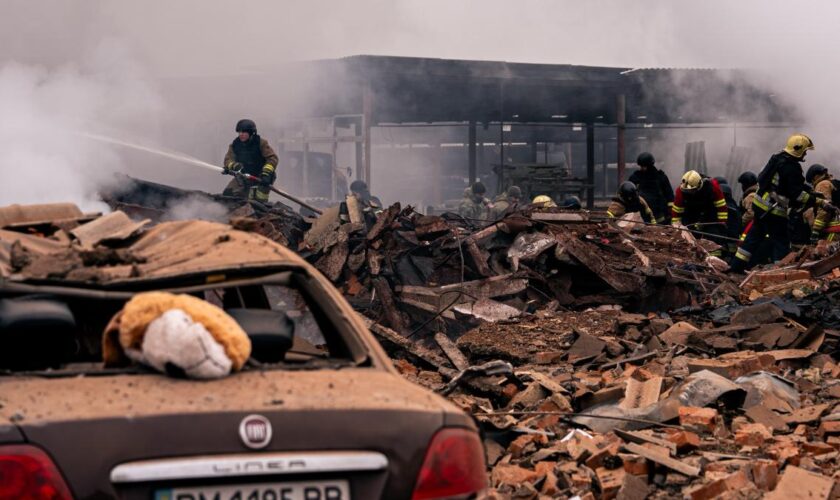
column 61, row 334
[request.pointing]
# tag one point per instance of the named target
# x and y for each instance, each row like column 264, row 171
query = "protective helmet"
column 514, row 192
column 747, row 179
column 727, row 190
column 544, row 200
column 478, row 188
column 246, row 125
column 645, row 160
column 798, row 144
column 721, row 180
column 572, row 202
column 358, row 186
column 628, row 192
column 691, row 181
column 815, row 170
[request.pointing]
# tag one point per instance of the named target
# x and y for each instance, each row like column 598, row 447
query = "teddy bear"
column 179, row 335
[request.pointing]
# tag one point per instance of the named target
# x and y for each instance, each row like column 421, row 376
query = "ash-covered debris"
column 157, row 202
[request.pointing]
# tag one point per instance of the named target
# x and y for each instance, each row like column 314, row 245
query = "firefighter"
column 543, row 201
column 506, row 202
column 699, row 204
column 749, row 185
column 369, row 205
column 825, row 223
column 475, row 207
column 781, row 187
column 250, row 154
column 654, row 187
column 572, row 203
column 733, row 219
column 628, row 201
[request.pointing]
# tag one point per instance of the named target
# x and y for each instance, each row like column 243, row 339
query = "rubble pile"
column 736, row 401
column 158, row 203
column 425, row 274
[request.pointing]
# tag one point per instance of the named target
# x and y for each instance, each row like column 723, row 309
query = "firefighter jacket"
column 501, row 206
column 824, row 219
column 781, row 186
column 619, row 207
column 475, row 211
column 707, row 204
column 254, row 154
column 655, row 187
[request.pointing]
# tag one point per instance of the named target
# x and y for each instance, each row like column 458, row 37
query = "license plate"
column 308, row 490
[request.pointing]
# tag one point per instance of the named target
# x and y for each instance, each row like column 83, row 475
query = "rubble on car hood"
column 113, row 249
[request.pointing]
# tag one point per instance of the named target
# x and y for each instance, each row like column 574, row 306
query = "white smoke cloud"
column 68, row 76
column 43, row 156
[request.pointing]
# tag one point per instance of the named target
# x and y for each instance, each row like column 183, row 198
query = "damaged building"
column 419, row 130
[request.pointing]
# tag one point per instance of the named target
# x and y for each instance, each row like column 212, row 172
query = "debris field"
column 601, row 359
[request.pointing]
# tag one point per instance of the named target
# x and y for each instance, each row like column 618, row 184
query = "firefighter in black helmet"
column 654, row 187
column 369, row 206
column 628, row 201
column 250, row 154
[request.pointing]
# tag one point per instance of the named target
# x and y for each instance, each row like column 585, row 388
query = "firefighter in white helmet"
column 699, row 204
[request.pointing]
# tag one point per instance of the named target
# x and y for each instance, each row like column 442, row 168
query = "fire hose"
column 256, row 180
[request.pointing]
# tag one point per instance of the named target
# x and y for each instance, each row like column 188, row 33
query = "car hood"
column 36, row 400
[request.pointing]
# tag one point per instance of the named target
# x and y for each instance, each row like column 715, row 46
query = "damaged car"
column 318, row 412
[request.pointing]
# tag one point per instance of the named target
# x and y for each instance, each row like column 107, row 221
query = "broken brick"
column 733, row 482
column 798, row 483
column 753, row 435
column 703, row 419
column 512, row 474
column 734, row 366
column 685, row 440
column 765, row 474
column 610, row 481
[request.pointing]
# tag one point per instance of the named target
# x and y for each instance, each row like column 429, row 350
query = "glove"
column 233, row 167
column 828, row 207
column 267, row 175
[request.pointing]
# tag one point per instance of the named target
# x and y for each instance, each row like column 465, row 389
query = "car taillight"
column 453, row 467
column 27, row 472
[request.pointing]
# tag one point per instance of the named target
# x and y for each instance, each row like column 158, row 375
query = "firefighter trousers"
column 769, row 229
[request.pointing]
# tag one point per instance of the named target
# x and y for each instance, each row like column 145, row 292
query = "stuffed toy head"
column 176, row 334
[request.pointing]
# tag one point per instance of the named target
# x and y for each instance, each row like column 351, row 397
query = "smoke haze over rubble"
column 106, row 67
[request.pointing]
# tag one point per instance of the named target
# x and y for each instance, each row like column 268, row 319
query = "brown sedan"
column 319, row 412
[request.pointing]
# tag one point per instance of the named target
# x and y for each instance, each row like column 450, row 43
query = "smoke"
column 179, row 74
column 43, row 157
column 197, row 208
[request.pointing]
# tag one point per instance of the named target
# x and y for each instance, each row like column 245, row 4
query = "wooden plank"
column 582, row 252
column 385, row 333
column 561, row 216
column 661, row 459
column 640, row 394
column 452, row 352
column 640, row 438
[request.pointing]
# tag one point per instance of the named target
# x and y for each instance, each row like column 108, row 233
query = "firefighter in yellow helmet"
column 252, row 155
column 699, row 204
column 781, row 188
column 543, row 201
